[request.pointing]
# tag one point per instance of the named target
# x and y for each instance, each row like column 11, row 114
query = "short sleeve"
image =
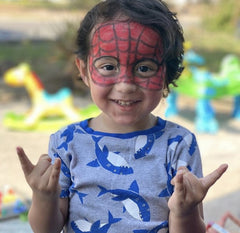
column 54, row 152
column 186, row 153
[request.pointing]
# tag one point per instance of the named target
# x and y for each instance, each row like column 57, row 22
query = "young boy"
column 125, row 170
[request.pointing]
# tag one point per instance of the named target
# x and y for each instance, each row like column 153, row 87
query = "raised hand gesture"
column 190, row 191
column 47, row 208
column 42, row 177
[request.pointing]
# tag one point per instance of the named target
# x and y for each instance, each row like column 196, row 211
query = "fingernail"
column 180, row 171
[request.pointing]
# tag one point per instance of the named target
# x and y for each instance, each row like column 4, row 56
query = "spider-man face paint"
column 127, row 52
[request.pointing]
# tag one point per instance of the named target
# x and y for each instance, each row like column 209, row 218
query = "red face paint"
column 127, row 52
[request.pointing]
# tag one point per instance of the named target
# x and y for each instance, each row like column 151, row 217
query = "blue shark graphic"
column 155, row 229
column 147, row 141
column 192, row 142
column 80, row 195
column 180, row 163
column 133, row 203
column 177, row 139
column 64, row 193
column 66, row 172
column 143, row 151
column 171, row 173
column 68, row 133
column 189, row 168
column 109, row 160
column 96, row 227
column 64, row 167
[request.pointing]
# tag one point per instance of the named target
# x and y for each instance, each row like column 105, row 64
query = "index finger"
column 210, row 179
column 26, row 164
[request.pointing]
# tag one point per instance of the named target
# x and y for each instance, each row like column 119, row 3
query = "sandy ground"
column 222, row 147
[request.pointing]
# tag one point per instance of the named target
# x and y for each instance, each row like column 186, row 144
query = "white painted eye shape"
column 146, row 69
column 106, row 66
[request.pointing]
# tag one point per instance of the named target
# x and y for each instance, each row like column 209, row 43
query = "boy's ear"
column 82, row 67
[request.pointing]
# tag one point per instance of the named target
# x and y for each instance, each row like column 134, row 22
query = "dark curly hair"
column 152, row 13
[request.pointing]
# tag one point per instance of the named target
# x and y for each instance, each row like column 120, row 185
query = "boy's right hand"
column 43, row 177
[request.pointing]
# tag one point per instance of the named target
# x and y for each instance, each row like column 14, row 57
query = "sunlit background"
column 42, row 34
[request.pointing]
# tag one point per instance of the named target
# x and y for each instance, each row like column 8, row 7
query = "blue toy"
column 197, row 82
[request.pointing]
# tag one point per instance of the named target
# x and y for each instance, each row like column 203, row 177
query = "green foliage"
column 213, row 46
column 26, row 51
column 65, row 52
column 69, row 4
column 223, row 16
column 83, row 4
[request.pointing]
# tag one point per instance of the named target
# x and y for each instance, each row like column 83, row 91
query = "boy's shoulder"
column 71, row 129
column 175, row 128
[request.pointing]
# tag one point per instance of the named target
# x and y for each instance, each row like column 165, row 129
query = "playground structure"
column 197, row 82
column 48, row 111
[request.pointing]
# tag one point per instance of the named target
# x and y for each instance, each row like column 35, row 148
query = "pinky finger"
column 211, row 178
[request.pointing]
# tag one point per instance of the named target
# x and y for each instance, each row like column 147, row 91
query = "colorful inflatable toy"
column 197, row 82
column 48, row 111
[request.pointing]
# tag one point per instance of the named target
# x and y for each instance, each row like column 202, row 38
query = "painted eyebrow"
column 106, row 57
column 147, row 59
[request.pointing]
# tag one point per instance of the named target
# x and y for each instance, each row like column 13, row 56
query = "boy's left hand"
column 189, row 190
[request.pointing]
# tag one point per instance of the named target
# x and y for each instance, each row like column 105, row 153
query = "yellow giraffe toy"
column 43, row 103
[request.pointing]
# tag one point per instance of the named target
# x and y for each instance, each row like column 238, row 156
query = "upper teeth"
column 124, row 103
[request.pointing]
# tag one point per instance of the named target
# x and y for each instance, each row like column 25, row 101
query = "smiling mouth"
column 125, row 103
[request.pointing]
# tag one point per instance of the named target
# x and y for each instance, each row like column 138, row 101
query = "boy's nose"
column 126, row 78
column 125, row 81
column 125, row 86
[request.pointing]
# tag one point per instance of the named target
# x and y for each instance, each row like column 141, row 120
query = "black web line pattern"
column 143, row 82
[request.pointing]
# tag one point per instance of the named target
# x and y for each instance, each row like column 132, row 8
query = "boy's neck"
column 103, row 124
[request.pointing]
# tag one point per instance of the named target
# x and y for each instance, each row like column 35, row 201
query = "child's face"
column 125, row 72
column 127, row 52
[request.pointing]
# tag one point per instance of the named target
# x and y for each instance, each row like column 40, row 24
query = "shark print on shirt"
column 65, row 170
column 133, row 203
column 189, row 139
column 144, row 144
column 155, row 229
column 68, row 134
column 191, row 142
column 110, row 161
column 82, row 226
column 102, row 175
column 80, row 195
column 170, row 173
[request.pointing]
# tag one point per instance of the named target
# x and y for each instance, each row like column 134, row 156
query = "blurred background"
column 42, row 34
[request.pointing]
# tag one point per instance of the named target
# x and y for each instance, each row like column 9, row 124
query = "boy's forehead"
column 124, row 29
column 126, row 36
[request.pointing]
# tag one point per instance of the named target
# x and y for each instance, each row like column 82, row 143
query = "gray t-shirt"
column 121, row 182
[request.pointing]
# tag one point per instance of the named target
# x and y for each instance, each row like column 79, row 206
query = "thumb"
column 26, row 164
column 178, row 182
column 210, row 179
column 55, row 172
